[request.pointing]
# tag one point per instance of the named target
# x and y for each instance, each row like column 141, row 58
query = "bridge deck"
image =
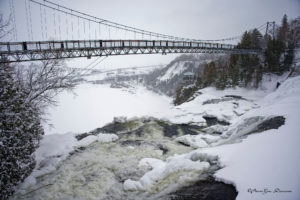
column 44, row 50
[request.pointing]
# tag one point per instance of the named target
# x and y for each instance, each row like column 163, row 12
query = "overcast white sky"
column 199, row 19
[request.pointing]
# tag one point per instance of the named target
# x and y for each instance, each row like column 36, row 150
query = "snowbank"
column 262, row 166
column 266, row 165
column 227, row 109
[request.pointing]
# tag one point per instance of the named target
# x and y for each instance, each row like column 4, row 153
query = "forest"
column 247, row 70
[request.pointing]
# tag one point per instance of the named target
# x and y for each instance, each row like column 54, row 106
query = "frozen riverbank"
column 153, row 158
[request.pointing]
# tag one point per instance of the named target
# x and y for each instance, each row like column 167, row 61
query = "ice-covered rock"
column 195, row 141
column 104, row 138
column 176, row 169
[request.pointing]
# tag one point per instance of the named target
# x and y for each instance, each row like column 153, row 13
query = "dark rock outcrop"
column 271, row 123
column 206, row 190
column 224, row 99
column 139, row 127
column 211, row 120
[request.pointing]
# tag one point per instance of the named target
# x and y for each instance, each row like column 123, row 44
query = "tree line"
column 247, row 70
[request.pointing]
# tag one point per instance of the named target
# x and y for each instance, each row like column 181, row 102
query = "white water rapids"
column 100, row 170
column 140, row 164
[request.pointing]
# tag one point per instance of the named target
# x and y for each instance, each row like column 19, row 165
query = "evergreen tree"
column 246, row 41
column 288, row 57
column 199, row 83
column 222, row 80
column 248, row 63
column 242, row 76
column 283, row 30
column 256, row 39
column 20, row 132
column 293, row 41
column 234, row 71
column 274, row 50
column 210, row 74
column 293, row 38
column 248, row 76
column 258, row 76
column 177, row 99
column 183, row 94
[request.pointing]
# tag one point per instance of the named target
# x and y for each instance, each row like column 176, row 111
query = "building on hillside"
column 188, row 78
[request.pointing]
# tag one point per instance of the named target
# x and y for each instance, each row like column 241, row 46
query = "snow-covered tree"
column 20, row 132
column 24, row 93
column 283, row 30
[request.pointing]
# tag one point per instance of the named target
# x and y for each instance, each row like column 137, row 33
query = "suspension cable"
column 59, row 24
column 109, row 23
column 96, row 32
column 72, row 27
column 54, row 23
column 45, row 25
column 108, row 32
column 87, row 67
column 30, row 21
column 67, row 31
column 99, row 30
column 12, row 10
column 83, row 29
column 89, row 29
column 91, row 18
column 90, row 66
column 41, row 16
column 78, row 28
column 27, row 20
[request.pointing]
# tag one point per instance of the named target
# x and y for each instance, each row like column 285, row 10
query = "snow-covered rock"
column 174, row 170
column 265, row 166
column 195, row 141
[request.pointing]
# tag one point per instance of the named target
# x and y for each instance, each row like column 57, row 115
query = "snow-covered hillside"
column 107, row 75
column 175, row 69
column 167, row 79
column 248, row 138
column 265, row 165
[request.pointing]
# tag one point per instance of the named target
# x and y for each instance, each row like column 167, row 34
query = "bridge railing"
column 44, row 50
column 92, row 44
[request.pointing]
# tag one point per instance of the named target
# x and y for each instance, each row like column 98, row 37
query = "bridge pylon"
column 270, row 29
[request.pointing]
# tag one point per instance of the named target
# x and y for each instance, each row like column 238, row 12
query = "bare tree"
column 42, row 82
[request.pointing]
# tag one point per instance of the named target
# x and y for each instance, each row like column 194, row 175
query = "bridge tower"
column 270, row 29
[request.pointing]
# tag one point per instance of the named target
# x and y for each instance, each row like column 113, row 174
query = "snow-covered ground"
column 267, row 161
column 261, row 166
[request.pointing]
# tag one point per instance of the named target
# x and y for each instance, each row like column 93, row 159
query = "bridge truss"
column 45, row 50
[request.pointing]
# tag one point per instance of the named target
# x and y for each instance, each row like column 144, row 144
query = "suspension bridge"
column 66, row 33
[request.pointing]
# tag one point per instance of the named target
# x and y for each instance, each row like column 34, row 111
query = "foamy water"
column 100, row 170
